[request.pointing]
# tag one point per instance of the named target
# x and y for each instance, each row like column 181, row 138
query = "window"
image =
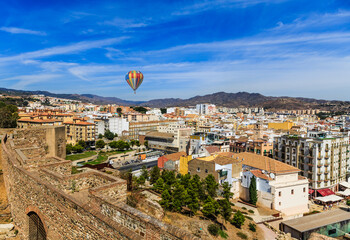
column 292, row 191
column 279, row 203
column 198, row 169
column 280, row 194
column 206, row 170
column 304, row 189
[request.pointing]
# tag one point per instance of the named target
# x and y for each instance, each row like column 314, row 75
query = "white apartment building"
column 322, row 158
column 278, row 184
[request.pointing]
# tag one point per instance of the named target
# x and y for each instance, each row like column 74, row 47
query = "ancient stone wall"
column 93, row 209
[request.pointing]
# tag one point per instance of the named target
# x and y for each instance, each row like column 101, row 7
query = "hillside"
column 239, row 99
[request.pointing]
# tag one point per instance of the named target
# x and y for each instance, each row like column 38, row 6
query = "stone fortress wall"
column 87, row 205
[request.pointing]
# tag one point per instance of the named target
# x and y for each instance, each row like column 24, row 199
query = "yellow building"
column 183, row 165
column 281, row 125
column 80, row 130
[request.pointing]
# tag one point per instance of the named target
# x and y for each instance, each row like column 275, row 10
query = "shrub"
column 250, row 218
column 252, row 227
column 232, row 204
column 223, row 234
column 238, row 219
column 244, row 208
column 251, row 211
column 242, row 235
column 213, row 229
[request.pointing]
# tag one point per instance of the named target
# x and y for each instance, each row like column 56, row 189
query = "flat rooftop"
column 318, row 220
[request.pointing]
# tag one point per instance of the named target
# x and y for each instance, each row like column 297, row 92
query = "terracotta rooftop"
column 212, row 149
column 258, row 173
column 265, row 163
column 175, row 156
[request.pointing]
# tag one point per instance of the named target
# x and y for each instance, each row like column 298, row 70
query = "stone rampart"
column 88, row 205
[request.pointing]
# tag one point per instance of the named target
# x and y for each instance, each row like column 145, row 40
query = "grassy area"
column 81, row 155
column 103, row 156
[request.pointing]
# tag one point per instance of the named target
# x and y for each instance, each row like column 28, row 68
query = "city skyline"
column 184, row 49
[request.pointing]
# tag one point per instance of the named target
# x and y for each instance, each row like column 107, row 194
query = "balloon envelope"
column 134, row 79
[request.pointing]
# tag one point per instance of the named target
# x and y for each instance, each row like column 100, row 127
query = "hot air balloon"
column 134, row 79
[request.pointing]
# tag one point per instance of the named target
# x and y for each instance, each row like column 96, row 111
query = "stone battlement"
column 86, row 205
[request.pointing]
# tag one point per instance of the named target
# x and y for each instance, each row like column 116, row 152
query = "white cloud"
column 60, row 50
column 15, row 30
column 25, row 80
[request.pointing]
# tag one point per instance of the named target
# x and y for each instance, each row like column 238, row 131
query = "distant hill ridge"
column 239, row 99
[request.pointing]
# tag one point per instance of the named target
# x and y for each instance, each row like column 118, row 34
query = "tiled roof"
column 212, row 149
column 258, row 173
column 265, row 163
column 159, row 134
column 175, row 156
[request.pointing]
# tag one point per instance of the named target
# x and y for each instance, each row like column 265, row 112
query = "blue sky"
column 184, row 48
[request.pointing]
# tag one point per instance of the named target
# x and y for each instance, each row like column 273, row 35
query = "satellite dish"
column 272, row 175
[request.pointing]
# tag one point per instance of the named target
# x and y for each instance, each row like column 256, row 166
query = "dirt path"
column 268, row 233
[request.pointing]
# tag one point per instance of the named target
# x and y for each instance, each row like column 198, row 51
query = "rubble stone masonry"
column 87, row 205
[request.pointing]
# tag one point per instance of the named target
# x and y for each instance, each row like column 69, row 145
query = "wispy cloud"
column 16, row 30
column 60, row 50
column 126, row 23
column 313, row 21
column 25, row 80
column 201, row 6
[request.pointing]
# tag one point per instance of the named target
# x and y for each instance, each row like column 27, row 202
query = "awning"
column 345, row 193
column 345, row 184
column 329, row 198
column 325, row 192
column 311, row 191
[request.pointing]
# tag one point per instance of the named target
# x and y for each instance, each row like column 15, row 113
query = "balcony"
column 327, row 150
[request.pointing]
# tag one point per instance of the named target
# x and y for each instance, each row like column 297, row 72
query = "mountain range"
column 239, row 99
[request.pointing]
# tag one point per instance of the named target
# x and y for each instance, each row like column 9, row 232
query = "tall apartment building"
column 322, row 158
column 80, row 130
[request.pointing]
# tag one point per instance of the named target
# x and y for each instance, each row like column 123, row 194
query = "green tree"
column 155, row 174
column 8, row 115
column 100, row 136
column 144, row 172
column 168, row 177
column 198, row 187
column 113, row 144
column 194, row 205
column 166, row 201
column 159, row 185
column 141, row 180
column 211, row 185
column 226, row 191
column 163, row 110
column 146, row 144
column 225, row 209
column 82, row 143
column 132, row 142
column 137, row 142
column 179, row 197
column 100, row 143
column 253, row 194
column 69, row 148
column 140, row 109
column 109, row 135
column 238, row 219
column 77, row 148
column 210, row 208
column 119, row 111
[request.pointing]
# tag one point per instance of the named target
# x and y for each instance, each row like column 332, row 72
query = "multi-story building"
column 278, row 184
column 141, row 128
column 321, row 157
column 80, row 130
